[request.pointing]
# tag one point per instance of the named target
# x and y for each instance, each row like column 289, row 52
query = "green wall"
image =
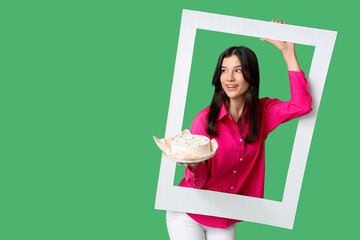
column 84, row 85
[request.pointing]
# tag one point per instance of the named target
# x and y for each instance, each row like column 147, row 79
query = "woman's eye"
column 223, row 70
column 238, row 70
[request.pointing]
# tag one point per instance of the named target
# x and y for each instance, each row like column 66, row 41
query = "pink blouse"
column 237, row 167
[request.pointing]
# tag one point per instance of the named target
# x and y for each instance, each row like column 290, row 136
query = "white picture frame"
column 264, row 211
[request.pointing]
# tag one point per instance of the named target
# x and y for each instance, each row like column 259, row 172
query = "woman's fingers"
column 278, row 21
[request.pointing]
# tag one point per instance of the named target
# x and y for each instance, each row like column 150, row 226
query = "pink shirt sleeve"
column 277, row 112
column 198, row 176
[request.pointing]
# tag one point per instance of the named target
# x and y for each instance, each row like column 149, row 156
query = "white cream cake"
column 191, row 145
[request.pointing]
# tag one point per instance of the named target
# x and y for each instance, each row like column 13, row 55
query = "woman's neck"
column 235, row 108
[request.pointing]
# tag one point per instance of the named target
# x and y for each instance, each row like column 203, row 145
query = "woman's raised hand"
column 287, row 49
column 284, row 47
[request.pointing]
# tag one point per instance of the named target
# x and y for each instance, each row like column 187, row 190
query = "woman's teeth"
column 231, row 86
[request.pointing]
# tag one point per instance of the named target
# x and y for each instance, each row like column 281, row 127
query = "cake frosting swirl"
column 191, row 145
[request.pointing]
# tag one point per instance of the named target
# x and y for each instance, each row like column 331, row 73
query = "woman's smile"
column 231, row 87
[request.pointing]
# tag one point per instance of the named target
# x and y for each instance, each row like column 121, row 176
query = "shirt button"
column 240, row 140
column 232, row 187
column 234, row 171
column 240, row 159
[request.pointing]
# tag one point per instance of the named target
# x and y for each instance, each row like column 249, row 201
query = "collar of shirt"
column 224, row 112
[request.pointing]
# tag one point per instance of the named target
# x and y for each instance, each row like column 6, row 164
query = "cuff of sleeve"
column 294, row 73
column 298, row 82
column 192, row 174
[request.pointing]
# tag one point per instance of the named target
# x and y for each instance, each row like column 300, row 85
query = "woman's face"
column 232, row 79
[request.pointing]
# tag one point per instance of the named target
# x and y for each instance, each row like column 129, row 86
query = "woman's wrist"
column 191, row 166
column 291, row 61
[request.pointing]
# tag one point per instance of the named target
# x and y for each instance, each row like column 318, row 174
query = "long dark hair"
column 250, row 70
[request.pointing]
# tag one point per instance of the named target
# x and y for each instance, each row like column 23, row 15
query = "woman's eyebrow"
column 234, row 67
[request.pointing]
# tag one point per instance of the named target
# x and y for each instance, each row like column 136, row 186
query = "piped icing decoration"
column 191, row 140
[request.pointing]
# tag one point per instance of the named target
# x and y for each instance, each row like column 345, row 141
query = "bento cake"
column 192, row 145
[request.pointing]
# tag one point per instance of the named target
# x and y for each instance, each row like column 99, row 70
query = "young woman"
column 240, row 122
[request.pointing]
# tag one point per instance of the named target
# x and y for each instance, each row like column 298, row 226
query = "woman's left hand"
column 287, row 49
column 284, row 47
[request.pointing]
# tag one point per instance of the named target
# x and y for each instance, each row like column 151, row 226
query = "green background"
column 84, row 85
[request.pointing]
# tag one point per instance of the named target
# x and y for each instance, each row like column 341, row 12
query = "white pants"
column 182, row 227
